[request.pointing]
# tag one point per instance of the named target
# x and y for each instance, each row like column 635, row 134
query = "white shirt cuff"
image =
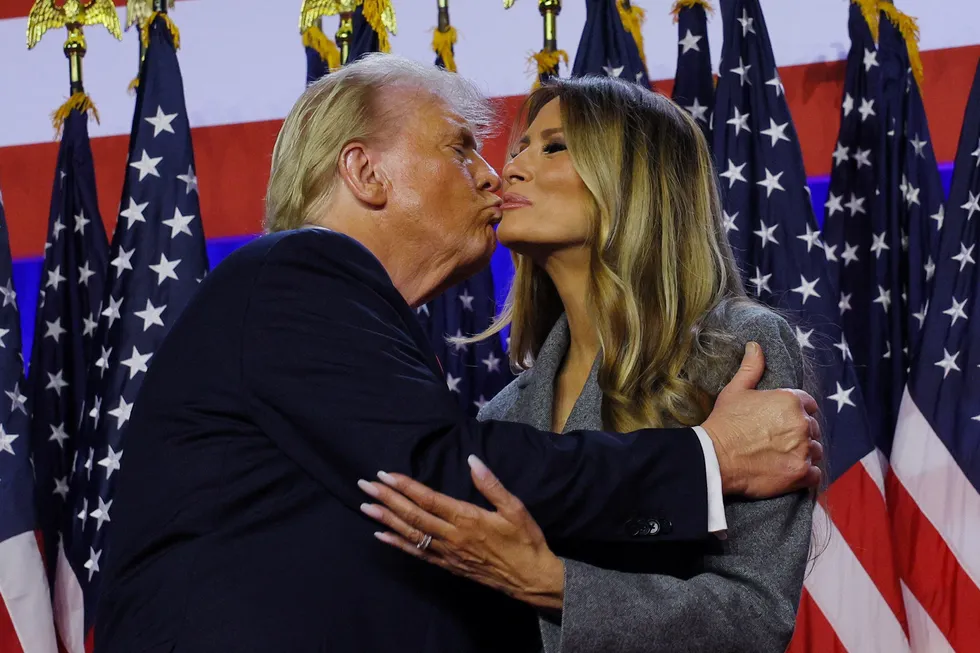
column 717, row 523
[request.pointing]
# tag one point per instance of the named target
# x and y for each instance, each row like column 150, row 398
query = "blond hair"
column 346, row 106
column 661, row 263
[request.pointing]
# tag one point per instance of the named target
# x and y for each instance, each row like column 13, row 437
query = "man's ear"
column 357, row 166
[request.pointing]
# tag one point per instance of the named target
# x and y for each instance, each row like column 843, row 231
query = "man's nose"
column 488, row 178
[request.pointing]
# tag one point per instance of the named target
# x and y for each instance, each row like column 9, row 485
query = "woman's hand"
column 504, row 550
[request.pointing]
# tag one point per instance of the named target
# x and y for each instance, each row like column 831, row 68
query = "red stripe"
column 859, row 512
column 932, row 572
column 9, row 642
column 233, row 160
column 813, row 633
column 90, row 640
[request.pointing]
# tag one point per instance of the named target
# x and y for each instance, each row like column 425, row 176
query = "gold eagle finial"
column 73, row 14
column 508, row 4
column 313, row 10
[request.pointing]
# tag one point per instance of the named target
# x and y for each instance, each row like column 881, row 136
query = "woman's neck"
column 571, row 279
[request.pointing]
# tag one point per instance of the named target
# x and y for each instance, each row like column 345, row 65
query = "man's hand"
column 767, row 441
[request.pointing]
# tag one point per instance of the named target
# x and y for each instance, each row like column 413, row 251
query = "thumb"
column 491, row 487
column 752, row 368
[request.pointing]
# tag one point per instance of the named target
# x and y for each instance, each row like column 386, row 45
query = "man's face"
column 441, row 189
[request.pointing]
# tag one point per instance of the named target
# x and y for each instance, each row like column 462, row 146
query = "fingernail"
column 383, row 537
column 371, row 511
column 387, row 478
column 368, row 488
column 751, row 347
column 478, row 467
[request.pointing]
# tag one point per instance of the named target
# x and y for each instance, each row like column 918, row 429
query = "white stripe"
column 847, row 596
column 875, row 465
column 242, row 60
column 937, row 485
column 24, row 590
column 925, row 635
column 69, row 607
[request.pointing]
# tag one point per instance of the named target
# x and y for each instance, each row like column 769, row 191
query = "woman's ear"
column 357, row 167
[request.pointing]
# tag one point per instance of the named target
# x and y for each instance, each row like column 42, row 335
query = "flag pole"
column 550, row 10
column 44, row 16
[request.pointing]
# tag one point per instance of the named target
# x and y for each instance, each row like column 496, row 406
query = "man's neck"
column 413, row 273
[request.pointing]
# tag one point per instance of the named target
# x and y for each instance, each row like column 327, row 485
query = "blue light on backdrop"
column 27, row 272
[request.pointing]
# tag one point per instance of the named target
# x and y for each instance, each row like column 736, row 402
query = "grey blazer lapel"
column 537, row 387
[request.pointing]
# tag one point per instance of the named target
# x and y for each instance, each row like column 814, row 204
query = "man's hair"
column 345, row 106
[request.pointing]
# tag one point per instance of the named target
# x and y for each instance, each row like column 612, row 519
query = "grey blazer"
column 741, row 594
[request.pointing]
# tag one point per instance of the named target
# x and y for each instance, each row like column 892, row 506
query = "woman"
column 626, row 311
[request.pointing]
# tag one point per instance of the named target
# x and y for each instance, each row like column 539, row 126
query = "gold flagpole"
column 74, row 15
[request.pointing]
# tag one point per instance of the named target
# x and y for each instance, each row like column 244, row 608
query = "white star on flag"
column 842, row 397
column 58, row 434
column 54, row 278
column 467, row 300
column 122, row 261
column 734, row 173
column 101, row 514
column 56, row 382
column 6, row 440
column 161, row 122
column 870, row 59
column 948, row 362
column 740, row 121
column 136, row 362
column 746, row 23
column 178, row 223
column 807, row 288
column 111, row 461
column 92, row 564
column 190, row 179
column 122, row 412
column 776, row 132
column 833, row 204
column 964, row 256
column 867, row 108
column 689, row 42
column 884, row 298
column 453, row 382
column 165, row 269
column 147, row 165
column 766, row 234
column 698, row 111
column 81, row 221
column 134, row 213
column 113, row 311
column 771, row 182
column 761, row 282
column 955, row 311
column 492, row 363
column 742, row 71
column 151, row 315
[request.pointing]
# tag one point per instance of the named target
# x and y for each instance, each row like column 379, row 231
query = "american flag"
column 26, row 623
column 863, row 251
column 694, row 84
column 606, row 47
column 851, row 596
column 156, row 262
column 69, row 304
column 934, row 484
column 478, row 371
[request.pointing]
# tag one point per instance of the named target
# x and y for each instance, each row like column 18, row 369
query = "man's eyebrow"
column 465, row 134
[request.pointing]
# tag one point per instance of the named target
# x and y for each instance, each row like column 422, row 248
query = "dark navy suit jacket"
column 296, row 370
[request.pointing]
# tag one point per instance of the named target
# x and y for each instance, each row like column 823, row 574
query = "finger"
column 491, row 487
column 399, row 542
column 811, row 479
column 435, row 503
column 385, row 516
column 809, row 403
column 816, row 452
column 752, row 368
column 406, row 511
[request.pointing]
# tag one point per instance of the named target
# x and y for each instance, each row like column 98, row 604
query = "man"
column 300, row 368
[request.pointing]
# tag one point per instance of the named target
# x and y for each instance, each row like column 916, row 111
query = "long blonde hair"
column 661, row 264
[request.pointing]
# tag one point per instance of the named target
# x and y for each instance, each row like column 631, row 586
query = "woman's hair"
column 347, row 106
column 661, row 263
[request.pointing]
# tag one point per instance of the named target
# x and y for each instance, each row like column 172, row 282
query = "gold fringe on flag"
column 687, row 4
column 145, row 30
column 909, row 29
column 80, row 101
column 546, row 61
column 380, row 15
column 442, row 44
column 133, row 85
column 633, row 18
column 314, row 38
column 869, row 9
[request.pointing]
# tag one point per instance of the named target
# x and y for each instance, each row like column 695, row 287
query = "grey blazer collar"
column 537, row 387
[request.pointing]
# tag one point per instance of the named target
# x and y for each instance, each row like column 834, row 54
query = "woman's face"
column 546, row 205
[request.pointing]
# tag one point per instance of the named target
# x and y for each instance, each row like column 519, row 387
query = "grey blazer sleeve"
column 746, row 598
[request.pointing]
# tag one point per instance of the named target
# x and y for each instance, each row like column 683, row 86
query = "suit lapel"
column 537, row 388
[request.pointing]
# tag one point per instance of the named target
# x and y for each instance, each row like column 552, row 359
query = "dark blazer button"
column 653, row 527
column 636, row 528
column 665, row 526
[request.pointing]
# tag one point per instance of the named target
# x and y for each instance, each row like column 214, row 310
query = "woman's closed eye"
column 554, row 147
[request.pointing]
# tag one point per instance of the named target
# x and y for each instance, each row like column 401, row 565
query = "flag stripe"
column 925, row 636
column 937, row 485
column 858, row 509
column 24, row 593
column 69, row 607
column 813, row 631
column 864, row 621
